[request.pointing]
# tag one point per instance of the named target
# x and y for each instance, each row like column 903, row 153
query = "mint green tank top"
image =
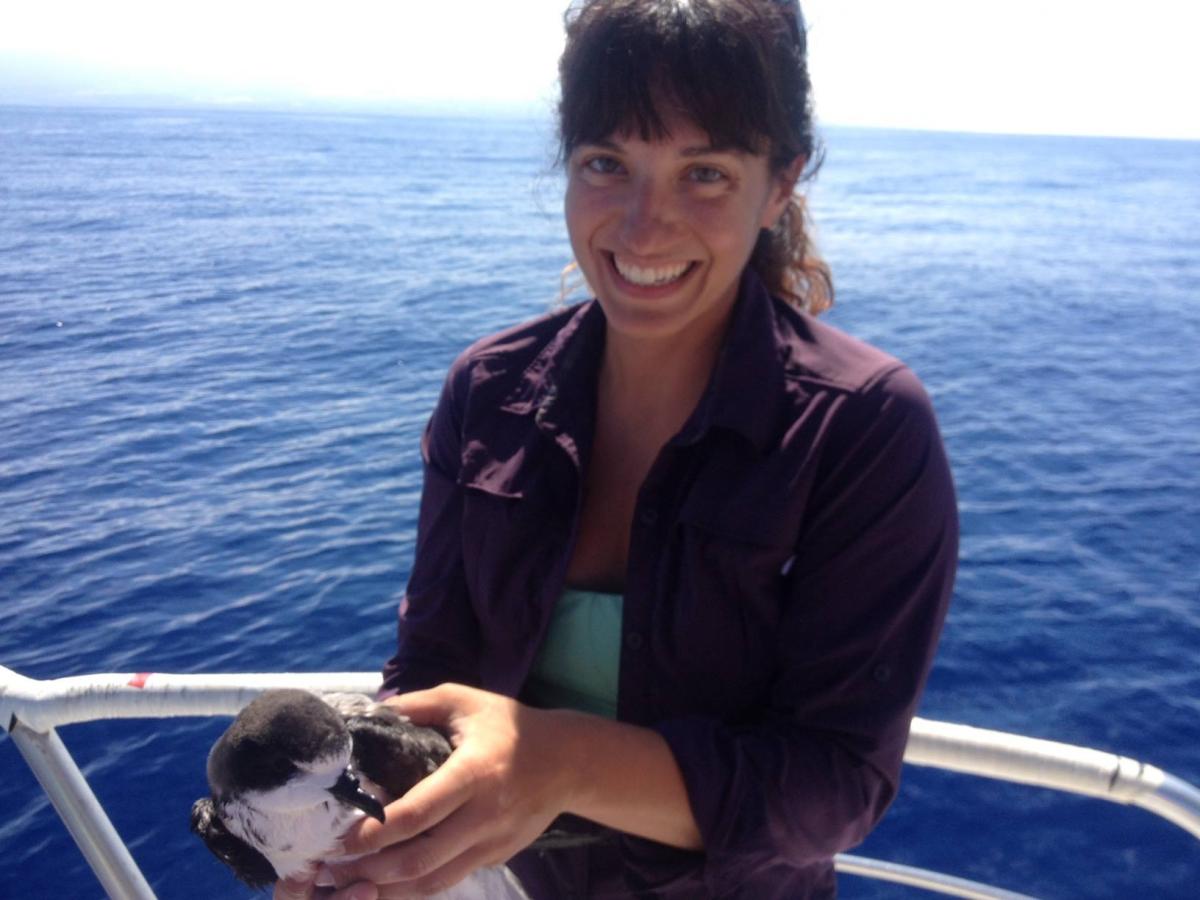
column 579, row 662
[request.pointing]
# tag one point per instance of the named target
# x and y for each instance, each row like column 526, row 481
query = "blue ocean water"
column 221, row 334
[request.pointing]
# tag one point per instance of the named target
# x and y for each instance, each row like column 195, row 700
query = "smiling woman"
column 684, row 551
column 760, row 107
column 662, row 229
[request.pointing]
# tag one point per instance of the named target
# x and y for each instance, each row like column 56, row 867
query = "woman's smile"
column 658, row 275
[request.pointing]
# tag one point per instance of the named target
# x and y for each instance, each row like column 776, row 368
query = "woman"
column 722, row 532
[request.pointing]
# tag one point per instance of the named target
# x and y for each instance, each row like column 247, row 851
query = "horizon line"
column 444, row 108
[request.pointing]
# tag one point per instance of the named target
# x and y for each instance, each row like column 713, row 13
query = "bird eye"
column 282, row 766
column 273, row 767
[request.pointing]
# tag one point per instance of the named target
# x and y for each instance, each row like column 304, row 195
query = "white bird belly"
column 292, row 842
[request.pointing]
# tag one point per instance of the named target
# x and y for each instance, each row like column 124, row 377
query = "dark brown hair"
column 737, row 68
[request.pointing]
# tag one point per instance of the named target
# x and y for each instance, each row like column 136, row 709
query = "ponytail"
column 786, row 259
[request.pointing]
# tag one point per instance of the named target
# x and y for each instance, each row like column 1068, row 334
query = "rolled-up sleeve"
column 438, row 633
column 862, row 608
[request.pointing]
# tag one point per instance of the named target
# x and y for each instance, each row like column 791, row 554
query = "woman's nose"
column 650, row 217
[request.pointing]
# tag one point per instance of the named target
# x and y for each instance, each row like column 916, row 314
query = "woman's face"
column 662, row 229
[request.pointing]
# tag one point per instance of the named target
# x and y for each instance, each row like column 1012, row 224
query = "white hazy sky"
column 1039, row 66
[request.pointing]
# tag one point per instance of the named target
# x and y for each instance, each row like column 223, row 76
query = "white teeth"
column 653, row 277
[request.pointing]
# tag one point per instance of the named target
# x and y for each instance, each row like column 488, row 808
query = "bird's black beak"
column 348, row 790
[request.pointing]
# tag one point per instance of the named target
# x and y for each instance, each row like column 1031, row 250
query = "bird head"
column 288, row 750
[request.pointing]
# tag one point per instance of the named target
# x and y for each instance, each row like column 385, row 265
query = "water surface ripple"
column 221, row 334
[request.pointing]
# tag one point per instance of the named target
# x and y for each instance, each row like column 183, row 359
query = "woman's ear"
column 782, row 185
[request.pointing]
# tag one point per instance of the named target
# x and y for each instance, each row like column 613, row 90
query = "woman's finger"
column 444, row 878
column 435, row 706
column 292, row 889
column 362, row 890
column 429, row 802
column 455, row 838
column 298, row 889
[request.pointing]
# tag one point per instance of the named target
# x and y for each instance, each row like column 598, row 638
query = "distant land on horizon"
column 1022, row 67
column 440, row 109
column 33, row 82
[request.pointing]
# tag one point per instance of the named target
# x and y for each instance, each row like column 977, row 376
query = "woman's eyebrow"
column 601, row 143
column 695, row 150
column 713, row 149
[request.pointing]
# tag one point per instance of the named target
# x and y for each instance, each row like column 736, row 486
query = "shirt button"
column 634, row 640
column 882, row 673
column 649, row 515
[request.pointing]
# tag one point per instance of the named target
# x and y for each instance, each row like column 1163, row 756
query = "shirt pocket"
column 724, row 599
column 513, row 548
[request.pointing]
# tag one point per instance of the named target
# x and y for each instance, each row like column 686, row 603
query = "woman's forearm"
column 626, row 778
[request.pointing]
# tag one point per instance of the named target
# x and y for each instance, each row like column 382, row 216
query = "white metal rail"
column 31, row 710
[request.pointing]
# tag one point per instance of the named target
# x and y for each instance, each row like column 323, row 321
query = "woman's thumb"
column 291, row 889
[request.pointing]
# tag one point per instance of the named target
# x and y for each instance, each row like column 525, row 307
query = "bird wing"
column 393, row 752
column 247, row 863
column 388, row 748
column 350, row 704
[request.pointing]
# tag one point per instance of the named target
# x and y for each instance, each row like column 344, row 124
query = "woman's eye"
column 602, row 165
column 706, row 174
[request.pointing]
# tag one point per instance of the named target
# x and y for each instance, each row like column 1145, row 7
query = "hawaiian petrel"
column 295, row 770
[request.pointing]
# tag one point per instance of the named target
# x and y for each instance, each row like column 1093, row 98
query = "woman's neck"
column 657, row 381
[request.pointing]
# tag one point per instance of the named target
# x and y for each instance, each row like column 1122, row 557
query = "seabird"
column 295, row 770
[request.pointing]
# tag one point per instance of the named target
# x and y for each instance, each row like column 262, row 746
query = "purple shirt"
column 792, row 556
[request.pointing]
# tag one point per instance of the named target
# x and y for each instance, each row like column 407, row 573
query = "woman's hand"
column 306, row 889
column 507, row 779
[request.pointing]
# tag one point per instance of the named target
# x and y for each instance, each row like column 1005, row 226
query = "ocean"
column 221, row 333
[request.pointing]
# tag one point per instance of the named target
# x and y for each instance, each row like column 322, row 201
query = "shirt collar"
column 558, row 387
column 747, row 384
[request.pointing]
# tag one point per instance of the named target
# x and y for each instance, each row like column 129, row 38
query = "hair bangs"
column 736, row 69
column 632, row 71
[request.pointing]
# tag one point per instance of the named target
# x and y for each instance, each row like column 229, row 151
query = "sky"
column 1028, row 66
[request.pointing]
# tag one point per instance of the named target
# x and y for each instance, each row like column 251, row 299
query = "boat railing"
column 32, row 711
